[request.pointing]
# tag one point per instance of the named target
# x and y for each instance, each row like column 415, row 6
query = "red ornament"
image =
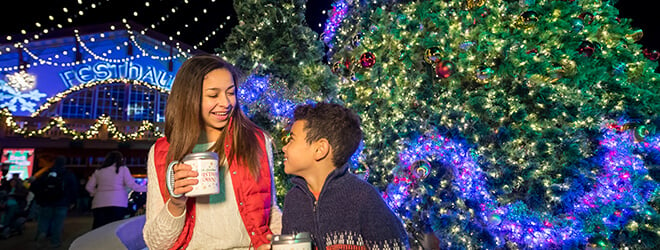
column 444, row 69
column 586, row 48
column 652, row 55
column 367, row 59
column 587, row 17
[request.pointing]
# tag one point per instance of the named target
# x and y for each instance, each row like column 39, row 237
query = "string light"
column 57, row 123
column 52, row 18
column 259, row 95
column 58, row 97
column 114, row 34
column 180, row 53
column 621, row 189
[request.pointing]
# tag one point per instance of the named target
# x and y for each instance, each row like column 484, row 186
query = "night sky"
column 642, row 14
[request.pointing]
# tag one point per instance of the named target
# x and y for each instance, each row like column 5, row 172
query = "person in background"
column 16, row 202
column 340, row 210
column 4, row 182
column 4, row 193
column 203, row 114
column 108, row 187
column 55, row 192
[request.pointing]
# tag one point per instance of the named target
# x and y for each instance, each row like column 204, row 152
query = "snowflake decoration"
column 21, row 80
column 12, row 98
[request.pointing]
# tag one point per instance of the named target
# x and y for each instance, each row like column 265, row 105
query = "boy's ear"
column 321, row 149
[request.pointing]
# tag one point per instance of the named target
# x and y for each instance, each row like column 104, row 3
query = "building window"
column 111, row 100
column 119, row 101
column 77, row 105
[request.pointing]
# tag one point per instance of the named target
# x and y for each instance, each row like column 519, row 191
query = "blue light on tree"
column 440, row 178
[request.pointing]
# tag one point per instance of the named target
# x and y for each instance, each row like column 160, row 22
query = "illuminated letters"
column 105, row 70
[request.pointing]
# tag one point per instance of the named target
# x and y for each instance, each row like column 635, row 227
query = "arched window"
column 118, row 100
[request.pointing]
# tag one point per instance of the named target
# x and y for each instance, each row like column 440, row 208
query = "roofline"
column 103, row 27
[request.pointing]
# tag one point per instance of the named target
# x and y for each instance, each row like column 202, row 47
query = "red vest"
column 253, row 198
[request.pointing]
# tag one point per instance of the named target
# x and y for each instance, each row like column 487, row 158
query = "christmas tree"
column 282, row 57
column 505, row 123
column 273, row 38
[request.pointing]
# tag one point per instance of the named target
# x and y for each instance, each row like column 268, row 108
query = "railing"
column 61, row 128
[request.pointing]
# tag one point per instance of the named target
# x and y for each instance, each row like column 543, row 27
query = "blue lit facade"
column 73, row 92
column 112, row 70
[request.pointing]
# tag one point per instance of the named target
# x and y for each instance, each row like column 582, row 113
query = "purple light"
column 619, row 192
column 339, row 10
column 257, row 94
column 252, row 89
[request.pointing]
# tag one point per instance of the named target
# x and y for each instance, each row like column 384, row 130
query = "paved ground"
column 75, row 225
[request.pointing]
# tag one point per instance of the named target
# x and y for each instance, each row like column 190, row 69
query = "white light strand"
column 76, row 14
column 185, row 25
column 153, row 26
column 180, row 51
column 208, row 37
column 103, row 58
column 180, row 54
column 50, row 61
column 59, row 96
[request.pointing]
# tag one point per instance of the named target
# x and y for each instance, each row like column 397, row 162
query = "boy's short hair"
column 334, row 122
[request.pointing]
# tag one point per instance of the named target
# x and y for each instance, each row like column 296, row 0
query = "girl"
column 108, row 187
column 203, row 114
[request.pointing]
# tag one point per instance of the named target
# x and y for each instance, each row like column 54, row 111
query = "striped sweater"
column 349, row 214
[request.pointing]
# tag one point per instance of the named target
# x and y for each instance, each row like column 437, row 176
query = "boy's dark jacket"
column 349, row 214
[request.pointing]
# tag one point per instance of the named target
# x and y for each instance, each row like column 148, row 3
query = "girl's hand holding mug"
column 181, row 182
column 197, row 174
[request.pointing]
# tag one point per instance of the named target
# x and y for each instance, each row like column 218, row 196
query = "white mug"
column 300, row 241
column 206, row 164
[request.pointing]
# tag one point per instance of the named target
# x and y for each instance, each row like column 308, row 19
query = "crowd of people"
column 14, row 200
column 53, row 193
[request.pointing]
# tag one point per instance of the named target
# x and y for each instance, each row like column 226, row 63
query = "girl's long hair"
column 113, row 157
column 184, row 123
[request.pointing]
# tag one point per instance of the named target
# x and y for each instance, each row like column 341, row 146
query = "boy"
column 340, row 210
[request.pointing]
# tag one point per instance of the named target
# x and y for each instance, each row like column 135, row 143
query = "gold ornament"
column 633, row 226
column 527, row 19
column 537, row 79
column 285, row 135
column 630, row 125
column 636, row 35
column 337, row 68
column 432, row 55
column 569, row 67
column 473, row 4
column 565, row 68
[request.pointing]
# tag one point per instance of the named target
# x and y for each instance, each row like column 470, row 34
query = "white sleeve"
column 161, row 229
column 275, row 211
column 91, row 184
column 129, row 181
